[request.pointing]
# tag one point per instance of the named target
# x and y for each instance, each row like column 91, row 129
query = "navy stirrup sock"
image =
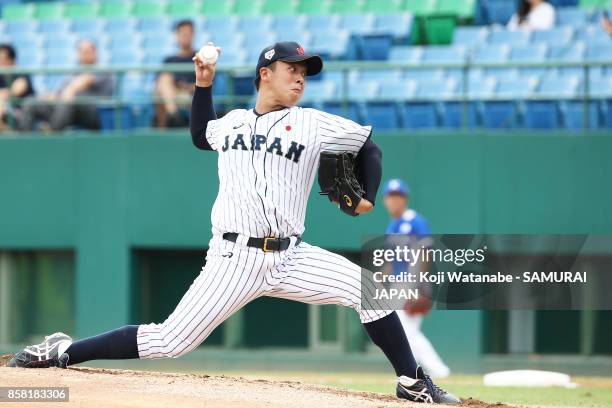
column 388, row 334
column 116, row 344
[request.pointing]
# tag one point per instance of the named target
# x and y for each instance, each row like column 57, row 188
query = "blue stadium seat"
column 114, row 118
column 512, row 38
column 27, row 41
column 453, row 114
column 529, row 54
column 570, row 53
column 558, row 36
column 497, row 54
column 606, row 109
column 319, row 91
column 362, row 91
column 564, row 3
column 515, row 88
column 232, row 57
column 436, row 89
column 289, row 22
column 32, row 58
column 123, row 44
column 572, row 16
column 320, row 22
column 397, row 91
column 424, row 74
column 20, row 27
column 330, row 43
column 599, row 52
column 382, row 115
column 398, row 25
column 125, row 57
column 591, row 35
column 470, row 36
column 558, row 87
column 254, row 44
column 54, row 26
column 221, row 26
column 599, row 87
column 358, row 23
column 419, row 115
column 255, row 24
column 573, row 114
column 499, row 11
column 542, row 115
column 157, row 24
column 296, row 34
column 442, row 54
column 507, row 73
column 351, row 110
column 406, row 54
column 387, row 75
column 122, row 24
column 88, row 28
column 375, row 47
column 481, row 89
column 499, row 114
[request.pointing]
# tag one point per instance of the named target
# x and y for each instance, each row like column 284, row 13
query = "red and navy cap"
column 288, row 52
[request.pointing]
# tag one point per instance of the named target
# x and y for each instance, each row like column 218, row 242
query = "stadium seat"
column 486, row 54
column 313, row 7
column 529, row 54
column 558, row 36
column 499, row 11
column 382, row 7
column 120, row 24
column 88, row 27
column 156, row 24
column 373, row 47
column 284, row 23
column 381, row 115
column 20, row 27
column 320, row 22
column 572, row 16
column 125, row 57
column 420, row 8
column 481, row 89
column 406, row 54
column 515, row 88
column 435, row 29
column 182, row 9
column 445, row 54
column 599, row 53
column 383, row 75
column 297, row 34
column 222, row 27
column 424, row 74
column 54, row 26
column 419, row 115
column 358, row 23
column 279, row 7
column 319, row 91
column 14, row 12
column 330, row 43
column 591, row 35
column 346, row 6
column 232, row 57
column 80, row 10
column 148, row 8
column 397, row 91
column 363, row 91
column 462, row 9
column 542, row 115
column 254, row 44
column 512, row 38
column 499, row 114
column 112, row 9
column 398, row 25
column 350, row 110
column 599, row 87
column 558, row 87
column 247, row 7
column 453, row 114
column 436, row 89
column 573, row 114
column 470, row 36
column 216, row 8
column 61, row 59
column 255, row 24
column 114, row 118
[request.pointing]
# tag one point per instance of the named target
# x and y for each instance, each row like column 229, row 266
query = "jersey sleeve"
column 338, row 134
column 213, row 131
column 218, row 128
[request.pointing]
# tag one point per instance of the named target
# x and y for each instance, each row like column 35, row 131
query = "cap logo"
column 300, row 50
column 268, row 55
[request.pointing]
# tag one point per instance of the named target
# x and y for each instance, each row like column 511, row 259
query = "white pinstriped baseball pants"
column 235, row 274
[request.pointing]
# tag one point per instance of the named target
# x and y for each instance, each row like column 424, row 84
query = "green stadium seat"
column 215, row 7
column 420, row 7
column 279, row 7
column 596, row 4
column 13, row 12
column 463, row 9
column 313, row 6
column 81, row 10
column 179, row 9
column 148, row 9
column 382, row 7
column 439, row 29
column 115, row 9
column 247, row 7
column 346, row 6
column 48, row 11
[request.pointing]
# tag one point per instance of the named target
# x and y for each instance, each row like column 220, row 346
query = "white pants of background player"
column 424, row 352
column 235, row 274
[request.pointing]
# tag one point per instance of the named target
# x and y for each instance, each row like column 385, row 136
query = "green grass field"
column 593, row 392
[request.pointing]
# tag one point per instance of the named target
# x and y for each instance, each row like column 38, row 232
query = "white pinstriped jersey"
column 267, row 164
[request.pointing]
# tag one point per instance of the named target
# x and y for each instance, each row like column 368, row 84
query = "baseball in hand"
column 208, row 54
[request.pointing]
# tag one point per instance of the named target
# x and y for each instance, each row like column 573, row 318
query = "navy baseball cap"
column 288, row 51
column 397, row 186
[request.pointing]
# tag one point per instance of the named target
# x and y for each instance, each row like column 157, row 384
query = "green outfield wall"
column 105, row 198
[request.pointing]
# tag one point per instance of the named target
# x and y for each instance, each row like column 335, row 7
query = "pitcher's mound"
column 124, row 388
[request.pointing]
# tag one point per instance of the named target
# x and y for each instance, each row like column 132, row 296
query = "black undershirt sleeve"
column 369, row 169
column 202, row 110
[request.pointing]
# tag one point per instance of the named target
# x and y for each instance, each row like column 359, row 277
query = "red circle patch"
column 287, row 128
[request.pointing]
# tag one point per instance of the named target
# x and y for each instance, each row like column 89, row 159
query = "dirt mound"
column 471, row 402
column 126, row 388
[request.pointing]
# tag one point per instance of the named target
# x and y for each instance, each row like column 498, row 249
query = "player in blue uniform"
column 415, row 231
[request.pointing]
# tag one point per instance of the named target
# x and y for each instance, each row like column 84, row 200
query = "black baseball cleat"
column 422, row 389
column 49, row 353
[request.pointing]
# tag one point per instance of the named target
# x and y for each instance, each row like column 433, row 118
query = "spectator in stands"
column 606, row 23
column 533, row 15
column 11, row 86
column 60, row 109
column 176, row 89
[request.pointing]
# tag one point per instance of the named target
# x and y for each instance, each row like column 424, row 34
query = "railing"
column 117, row 100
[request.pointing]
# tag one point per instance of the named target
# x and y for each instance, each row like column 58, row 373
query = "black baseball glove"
column 338, row 180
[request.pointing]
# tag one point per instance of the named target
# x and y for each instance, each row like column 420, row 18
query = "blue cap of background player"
column 397, row 186
column 288, row 52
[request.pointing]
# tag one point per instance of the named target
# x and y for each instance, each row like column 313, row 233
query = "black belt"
column 268, row 244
